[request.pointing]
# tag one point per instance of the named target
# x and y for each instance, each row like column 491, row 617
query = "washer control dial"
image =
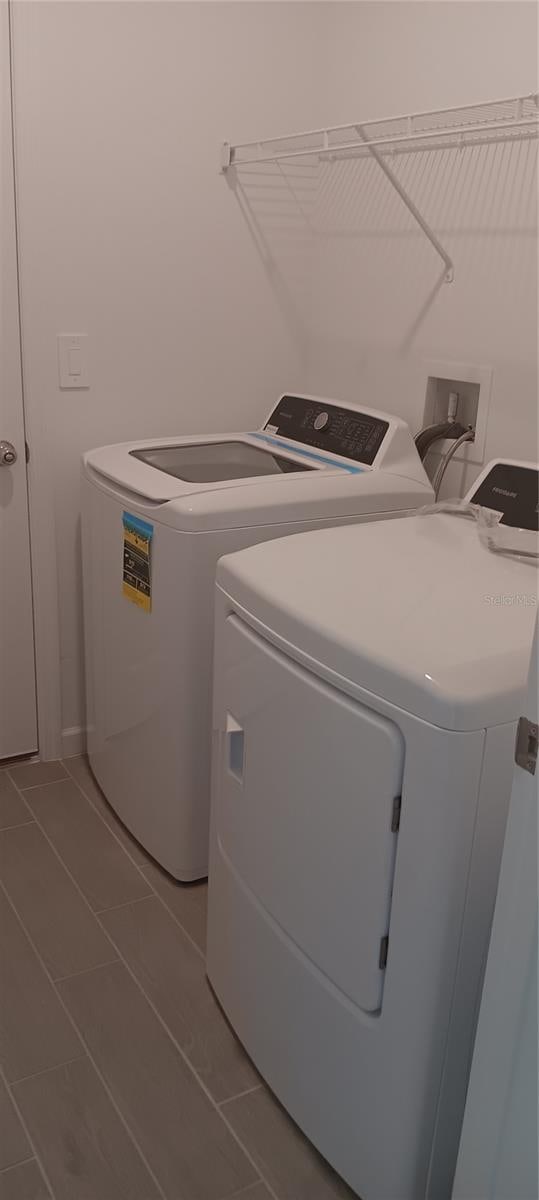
column 321, row 421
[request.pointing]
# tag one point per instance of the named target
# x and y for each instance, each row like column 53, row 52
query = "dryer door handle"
column 235, row 747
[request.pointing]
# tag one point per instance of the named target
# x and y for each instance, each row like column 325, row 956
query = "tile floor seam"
column 138, row 866
column 176, row 920
column 238, row 1096
column 19, row 825
column 261, row 1179
column 74, row 974
column 245, row 1191
column 26, row 1131
column 121, row 959
column 55, row 850
column 71, row 1020
column 33, row 786
column 21, row 1163
column 45, row 1071
column 121, row 844
column 37, row 822
column 101, row 817
column 101, row 912
column 31, row 817
column 23, row 762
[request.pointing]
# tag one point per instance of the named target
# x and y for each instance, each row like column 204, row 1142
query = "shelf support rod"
column 406, row 199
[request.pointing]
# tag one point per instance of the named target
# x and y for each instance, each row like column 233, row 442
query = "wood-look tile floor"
column 120, row 1079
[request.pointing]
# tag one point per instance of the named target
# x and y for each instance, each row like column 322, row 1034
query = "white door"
column 18, row 724
column 498, row 1150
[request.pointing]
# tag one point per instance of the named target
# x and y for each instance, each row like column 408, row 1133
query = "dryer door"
column 305, row 795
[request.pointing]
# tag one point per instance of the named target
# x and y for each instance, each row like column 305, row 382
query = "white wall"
column 380, row 311
column 129, row 233
column 203, row 300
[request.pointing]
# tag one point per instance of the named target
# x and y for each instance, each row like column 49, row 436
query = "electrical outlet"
column 473, row 386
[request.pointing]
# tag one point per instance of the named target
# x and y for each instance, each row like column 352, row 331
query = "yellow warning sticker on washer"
column 137, row 575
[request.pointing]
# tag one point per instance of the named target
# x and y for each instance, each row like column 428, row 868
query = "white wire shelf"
column 471, row 124
column 496, row 121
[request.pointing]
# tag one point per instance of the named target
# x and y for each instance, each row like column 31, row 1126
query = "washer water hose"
column 434, row 433
column 467, row 436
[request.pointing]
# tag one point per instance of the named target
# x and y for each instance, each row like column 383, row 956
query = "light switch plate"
column 73, row 360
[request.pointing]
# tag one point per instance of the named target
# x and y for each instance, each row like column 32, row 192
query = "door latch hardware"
column 526, row 745
column 382, row 958
column 396, row 814
column 8, row 454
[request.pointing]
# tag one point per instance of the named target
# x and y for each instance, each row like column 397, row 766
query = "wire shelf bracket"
column 494, row 121
column 412, row 208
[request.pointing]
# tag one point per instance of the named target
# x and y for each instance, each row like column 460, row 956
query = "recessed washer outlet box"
column 473, row 386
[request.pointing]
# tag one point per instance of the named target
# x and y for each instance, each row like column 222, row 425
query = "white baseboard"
column 73, row 741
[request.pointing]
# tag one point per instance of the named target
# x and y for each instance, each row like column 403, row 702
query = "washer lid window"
column 211, row 462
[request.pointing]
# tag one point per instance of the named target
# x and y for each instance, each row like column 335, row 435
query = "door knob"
column 8, row 454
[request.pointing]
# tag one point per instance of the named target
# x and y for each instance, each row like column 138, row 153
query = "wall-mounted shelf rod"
column 466, row 135
column 361, row 150
column 506, row 120
column 494, row 119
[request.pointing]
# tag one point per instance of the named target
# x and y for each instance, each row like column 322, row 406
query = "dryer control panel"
column 510, row 488
column 330, row 427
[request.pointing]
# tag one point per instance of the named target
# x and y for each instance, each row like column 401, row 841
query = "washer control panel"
column 323, row 426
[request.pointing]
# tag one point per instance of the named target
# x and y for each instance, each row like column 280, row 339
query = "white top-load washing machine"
column 156, row 516
column 368, row 683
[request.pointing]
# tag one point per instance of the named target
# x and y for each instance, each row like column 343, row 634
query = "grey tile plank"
column 172, row 974
column 13, row 810
column 64, row 931
column 182, row 1136
column 79, row 1137
column 24, row 1182
column 187, row 901
column 28, row 775
column 99, row 865
column 14, row 1144
column 81, row 771
column 35, row 1032
column 289, row 1163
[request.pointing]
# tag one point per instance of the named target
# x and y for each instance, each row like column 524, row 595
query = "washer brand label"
column 137, row 580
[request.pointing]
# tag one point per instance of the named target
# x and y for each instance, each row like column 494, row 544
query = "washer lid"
column 172, row 468
column 415, row 610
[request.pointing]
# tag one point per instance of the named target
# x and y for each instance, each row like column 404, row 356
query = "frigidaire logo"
column 505, row 492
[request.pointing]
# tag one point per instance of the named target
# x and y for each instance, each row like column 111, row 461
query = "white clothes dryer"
column 156, row 516
column 368, row 684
